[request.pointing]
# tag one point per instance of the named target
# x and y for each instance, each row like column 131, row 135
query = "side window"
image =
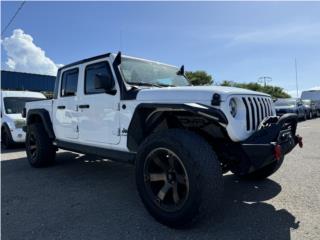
column 102, row 71
column 69, row 82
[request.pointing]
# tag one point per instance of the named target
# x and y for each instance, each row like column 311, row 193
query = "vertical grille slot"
column 253, row 117
column 257, row 109
column 263, row 115
column 266, row 112
column 247, row 113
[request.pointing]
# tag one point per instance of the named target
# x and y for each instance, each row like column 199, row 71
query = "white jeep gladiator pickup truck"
column 181, row 138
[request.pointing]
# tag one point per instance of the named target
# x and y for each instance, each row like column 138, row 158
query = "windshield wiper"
column 166, row 85
column 145, row 84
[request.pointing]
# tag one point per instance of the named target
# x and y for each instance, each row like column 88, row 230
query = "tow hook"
column 299, row 141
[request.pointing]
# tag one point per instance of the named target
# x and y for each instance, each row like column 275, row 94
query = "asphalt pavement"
column 84, row 197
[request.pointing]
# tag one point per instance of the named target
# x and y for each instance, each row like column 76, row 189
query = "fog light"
column 277, row 152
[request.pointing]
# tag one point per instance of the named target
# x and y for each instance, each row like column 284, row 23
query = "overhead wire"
column 13, row 17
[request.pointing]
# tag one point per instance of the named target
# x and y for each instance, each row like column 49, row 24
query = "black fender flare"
column 144, row 111
column 45, row 120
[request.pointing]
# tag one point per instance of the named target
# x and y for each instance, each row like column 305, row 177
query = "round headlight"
column 233, row 107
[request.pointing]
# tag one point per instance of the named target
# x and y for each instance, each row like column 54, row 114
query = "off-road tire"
column 6, row 138
column 203, row 172
column 264, row 172
column 45, row 152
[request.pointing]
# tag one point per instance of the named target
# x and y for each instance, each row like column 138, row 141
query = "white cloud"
column 280, row 34
column 24, row 56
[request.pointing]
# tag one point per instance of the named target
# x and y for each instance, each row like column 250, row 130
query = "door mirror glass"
column 104, row 82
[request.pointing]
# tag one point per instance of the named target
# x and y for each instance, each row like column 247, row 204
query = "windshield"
column 140, row 72
column 16, row 104
column 285, row 102
column 306, row 102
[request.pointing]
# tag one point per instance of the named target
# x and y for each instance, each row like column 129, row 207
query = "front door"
column 98, row 110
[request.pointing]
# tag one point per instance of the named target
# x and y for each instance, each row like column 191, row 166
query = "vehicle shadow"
column 16, row 148
column 84, row 197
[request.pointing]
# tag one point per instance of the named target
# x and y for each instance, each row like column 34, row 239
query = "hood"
column 15, row 116
column 192, row 93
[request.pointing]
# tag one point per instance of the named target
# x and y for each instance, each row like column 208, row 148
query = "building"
column 27, row 81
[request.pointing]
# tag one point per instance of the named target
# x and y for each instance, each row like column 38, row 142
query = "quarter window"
column 69, row 83
column 93, row 71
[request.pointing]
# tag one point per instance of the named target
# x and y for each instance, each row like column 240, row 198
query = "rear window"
column 15, row 105
column 69, row 83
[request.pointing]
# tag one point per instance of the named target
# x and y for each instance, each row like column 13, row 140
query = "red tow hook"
column 277, row 152
column 299, row 141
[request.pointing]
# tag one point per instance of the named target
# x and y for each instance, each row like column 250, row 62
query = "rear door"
column 65, row 122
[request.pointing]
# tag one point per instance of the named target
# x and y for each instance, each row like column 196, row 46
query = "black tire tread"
column 10, row 143
column 46, row 152
column 207, row 171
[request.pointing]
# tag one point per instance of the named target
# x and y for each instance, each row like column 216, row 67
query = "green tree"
column 199, row 78
column 274, row 91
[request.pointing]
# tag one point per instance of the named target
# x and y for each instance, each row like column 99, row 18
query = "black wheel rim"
column 166, row 179
column 32, row 146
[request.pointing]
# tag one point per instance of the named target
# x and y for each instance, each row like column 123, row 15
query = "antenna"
column 264, row 80
column 296, row 70
column 120, row 36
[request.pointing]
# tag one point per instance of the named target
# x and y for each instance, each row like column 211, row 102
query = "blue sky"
column 238, row 41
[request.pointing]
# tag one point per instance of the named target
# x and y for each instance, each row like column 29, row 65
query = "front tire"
column 39, row 147
column 6, row 138
column 178, row 177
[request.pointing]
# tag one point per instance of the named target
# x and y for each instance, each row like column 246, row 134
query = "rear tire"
column 264, row 172
column 6, row 138
column 305, row 116
column 184, row 200
column 39, row 147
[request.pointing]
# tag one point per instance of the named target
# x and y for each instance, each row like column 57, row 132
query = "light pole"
column 296, row 70
column 264, row 80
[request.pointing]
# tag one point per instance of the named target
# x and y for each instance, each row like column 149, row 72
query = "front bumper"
column 276, row 138
column 18, row 135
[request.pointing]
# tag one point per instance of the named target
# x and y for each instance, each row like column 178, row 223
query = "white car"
column 12, row 104
column 181, row 138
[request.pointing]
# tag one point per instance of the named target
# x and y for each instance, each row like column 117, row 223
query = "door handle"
column 84, row 106
column 61, row 107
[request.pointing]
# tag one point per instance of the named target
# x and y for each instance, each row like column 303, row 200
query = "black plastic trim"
column 85, row 60
column 144, row 110
column 125, row 94
column 46, row 120
column 114, row 155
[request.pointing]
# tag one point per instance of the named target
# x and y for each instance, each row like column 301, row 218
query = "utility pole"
column 264, row 80
column 296, row 70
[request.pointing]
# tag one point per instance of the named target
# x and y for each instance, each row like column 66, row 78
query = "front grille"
column 257, row 108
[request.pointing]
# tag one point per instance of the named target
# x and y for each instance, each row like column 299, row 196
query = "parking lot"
column 84, row 197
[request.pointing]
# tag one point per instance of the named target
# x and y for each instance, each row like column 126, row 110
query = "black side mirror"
column 104, row 82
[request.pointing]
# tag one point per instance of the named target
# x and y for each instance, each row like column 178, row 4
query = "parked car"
column 290, row 105
column 310, row 108
column 12, row 104
column 181, row 138
column 313, row 95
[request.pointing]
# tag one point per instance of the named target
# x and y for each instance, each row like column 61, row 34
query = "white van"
column 313, row 95
column 12, row 104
